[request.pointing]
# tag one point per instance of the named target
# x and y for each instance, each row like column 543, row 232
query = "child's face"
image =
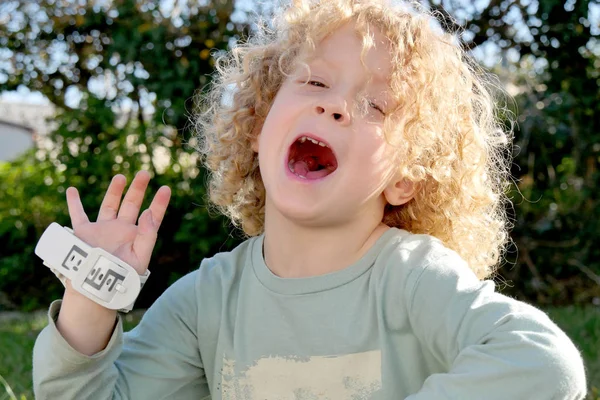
column 312, row 184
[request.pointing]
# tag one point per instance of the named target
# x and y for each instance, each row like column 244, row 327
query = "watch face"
column 74, row 259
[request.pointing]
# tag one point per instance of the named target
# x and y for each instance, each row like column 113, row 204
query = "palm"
column 115, row 230
column 116, row 237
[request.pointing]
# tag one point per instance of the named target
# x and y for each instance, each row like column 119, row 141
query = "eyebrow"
column 319, row 60
column 316, row 59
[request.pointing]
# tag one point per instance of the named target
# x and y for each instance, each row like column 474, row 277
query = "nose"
column 335, row 108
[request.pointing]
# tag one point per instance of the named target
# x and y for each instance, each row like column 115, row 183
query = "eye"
column 376, row 107
column 317, row 84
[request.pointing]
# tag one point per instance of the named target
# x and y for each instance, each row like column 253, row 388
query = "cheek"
column 269, row 142
column 275, row 117
column 375, row 162
column 373, row 147
column 280, row 119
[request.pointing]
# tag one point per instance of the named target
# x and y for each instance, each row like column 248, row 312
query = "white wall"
column 13, row 141
column 31, row 115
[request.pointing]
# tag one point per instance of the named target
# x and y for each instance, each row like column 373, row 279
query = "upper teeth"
column 304, row 138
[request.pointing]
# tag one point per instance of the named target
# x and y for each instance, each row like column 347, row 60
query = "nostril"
column 336, row 115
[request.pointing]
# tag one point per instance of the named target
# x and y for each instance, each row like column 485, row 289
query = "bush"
column 85, row 151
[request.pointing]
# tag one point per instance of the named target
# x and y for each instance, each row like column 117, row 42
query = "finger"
column 145, row 240
column 130, row 208
column 159, row 205
column 112, row 198
column 76, row 211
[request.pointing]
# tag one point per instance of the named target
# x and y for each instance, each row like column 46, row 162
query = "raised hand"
column 115, row 230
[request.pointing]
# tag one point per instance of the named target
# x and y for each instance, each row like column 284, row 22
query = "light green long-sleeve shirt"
column 409, row 320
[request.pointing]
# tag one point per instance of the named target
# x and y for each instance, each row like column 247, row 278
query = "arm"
column 84, row 324
column 159, row 359
column 79, row 355
column 495, row 347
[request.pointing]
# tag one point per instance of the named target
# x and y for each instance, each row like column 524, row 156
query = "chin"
column 300, row 210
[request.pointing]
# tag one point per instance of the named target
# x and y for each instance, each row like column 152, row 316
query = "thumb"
column 145, row 240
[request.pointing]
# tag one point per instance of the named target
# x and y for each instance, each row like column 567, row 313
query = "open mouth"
column 311, row 159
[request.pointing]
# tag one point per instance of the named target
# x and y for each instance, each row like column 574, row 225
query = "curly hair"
column 454, row 146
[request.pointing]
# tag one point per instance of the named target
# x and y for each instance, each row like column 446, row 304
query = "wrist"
column 93, row 272
column 84, row 324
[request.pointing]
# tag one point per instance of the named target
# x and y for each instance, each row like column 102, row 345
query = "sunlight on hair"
column 444, row 123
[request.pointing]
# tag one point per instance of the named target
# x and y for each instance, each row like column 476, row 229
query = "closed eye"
column 375, row 106
column 322, row 85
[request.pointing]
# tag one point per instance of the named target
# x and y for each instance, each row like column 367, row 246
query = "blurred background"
column 89, row 89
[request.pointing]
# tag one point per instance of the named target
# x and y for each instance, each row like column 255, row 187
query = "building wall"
column 13, row 141
column 30, row 115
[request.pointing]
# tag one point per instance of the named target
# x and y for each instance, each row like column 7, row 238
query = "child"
column 358, row 148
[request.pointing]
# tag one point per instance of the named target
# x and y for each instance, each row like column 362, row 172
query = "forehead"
column 346, row 47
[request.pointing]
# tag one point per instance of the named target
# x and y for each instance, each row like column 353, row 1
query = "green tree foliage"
column 556, row 53
column 155, row 58
column 560, row 155
column 150, row 58
column 133, row 45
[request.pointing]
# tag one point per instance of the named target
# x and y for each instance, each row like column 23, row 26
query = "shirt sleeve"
column 494, row 347
column 159, row 359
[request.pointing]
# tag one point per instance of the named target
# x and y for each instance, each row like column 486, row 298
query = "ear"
column 400, row 191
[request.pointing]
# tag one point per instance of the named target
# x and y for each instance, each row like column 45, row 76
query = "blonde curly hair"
column 454, row 147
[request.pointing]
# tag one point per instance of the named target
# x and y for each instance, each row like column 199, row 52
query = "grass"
column 17, row 336
column 18, row 333
column 583, row 327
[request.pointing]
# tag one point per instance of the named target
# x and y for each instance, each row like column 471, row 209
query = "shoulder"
column 201, row 293
column 413, row 264
column 407, row 256
column 222, row 268
column 225, row 267
column 413, row 249
column 218, row 279
column 411, row 267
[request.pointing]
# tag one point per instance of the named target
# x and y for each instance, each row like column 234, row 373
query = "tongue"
column 301, row 169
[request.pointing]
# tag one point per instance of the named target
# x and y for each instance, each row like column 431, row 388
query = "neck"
column 292, row 250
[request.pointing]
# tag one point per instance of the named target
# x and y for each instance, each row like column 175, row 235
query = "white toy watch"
column 93, row 272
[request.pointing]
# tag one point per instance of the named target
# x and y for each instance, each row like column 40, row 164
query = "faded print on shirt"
column 351, row 376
